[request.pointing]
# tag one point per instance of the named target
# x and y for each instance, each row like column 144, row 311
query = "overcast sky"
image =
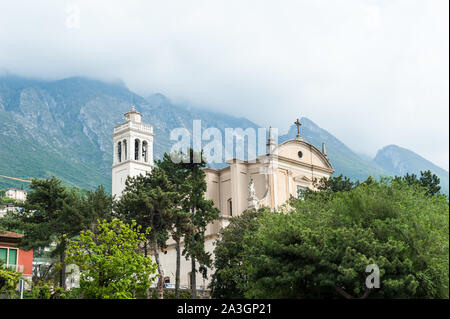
column 371, row 72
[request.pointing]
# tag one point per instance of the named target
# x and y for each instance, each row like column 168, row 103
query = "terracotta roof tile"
column 10, row 234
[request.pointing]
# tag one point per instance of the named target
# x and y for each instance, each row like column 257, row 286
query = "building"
column 268, row 180
column 7, row 208
column 17, row 194
column 133, row 150
column 13, row 256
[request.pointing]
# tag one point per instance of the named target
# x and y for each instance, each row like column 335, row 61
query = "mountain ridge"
column 400, row 161
column 64, row 128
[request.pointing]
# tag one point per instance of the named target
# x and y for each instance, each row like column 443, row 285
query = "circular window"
column 300, row 154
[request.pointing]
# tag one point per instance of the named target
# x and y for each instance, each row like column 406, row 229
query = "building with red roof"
column 13, row 256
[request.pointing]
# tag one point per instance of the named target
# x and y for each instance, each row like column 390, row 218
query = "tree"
column 148, row 200
column 96, row 205
column 51, row 214
column 229, row 278
column 321, row 248
column 8, row 279
column 327, row 187
column 201, row 213
column 335, row 184
column 177, row 174
column 429, row 181
column 110, row 263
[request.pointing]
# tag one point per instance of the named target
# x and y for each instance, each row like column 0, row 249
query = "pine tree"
column 201, row 213
column 97, row 205
column 51, row 214
column 177, row 174
column 148, row 200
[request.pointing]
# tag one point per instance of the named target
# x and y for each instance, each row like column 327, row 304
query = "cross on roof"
column 298, row 124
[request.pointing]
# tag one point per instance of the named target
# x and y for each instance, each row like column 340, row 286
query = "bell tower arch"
column 133, row 150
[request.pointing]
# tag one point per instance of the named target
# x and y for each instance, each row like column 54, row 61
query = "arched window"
column 230, row 207
column 119, row 152
column 125, row 150
column 144, row 151
column 136, row 149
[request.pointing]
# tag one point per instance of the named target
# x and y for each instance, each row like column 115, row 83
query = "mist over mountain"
column 64, row 128
column 400, row 161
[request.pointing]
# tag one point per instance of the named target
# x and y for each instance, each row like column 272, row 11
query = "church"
column 268, row 180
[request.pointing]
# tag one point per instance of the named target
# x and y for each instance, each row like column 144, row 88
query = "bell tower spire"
column 133, row 150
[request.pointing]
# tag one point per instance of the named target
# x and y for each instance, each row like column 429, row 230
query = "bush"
column 170, row 294
column 8, row 279
column 40, row 291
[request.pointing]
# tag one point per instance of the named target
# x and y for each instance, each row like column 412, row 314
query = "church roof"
column 313, row 149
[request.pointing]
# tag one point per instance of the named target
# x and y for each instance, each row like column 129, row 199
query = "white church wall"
column 168, row 262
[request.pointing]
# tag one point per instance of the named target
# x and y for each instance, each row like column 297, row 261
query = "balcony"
column 16, row 268
column 137, row 126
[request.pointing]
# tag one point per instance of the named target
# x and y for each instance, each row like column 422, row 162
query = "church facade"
column 268, row 180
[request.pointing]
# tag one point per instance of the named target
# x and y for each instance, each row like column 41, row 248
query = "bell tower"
column 133, row 150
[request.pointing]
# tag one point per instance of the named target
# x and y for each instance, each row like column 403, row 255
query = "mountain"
column 64, row 128
column 400, row 161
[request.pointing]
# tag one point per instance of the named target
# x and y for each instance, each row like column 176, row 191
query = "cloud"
column 371, row 72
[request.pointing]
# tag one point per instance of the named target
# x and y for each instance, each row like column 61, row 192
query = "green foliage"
column 6, row 200
column 429, row 181
column 8, row 279
column 170, row 294
column 96, row 205
column 52, row 213
column 109, row 261
column 201, row 213
column 229, row 279
column 336, row 184
column 321, row 248
column 148, row 200
column 49, row 212
column 44, row 291
column 178, row 177
column 39, row 291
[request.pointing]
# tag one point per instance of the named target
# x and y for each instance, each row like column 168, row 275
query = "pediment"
column 302, row 179
column 303, row 152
